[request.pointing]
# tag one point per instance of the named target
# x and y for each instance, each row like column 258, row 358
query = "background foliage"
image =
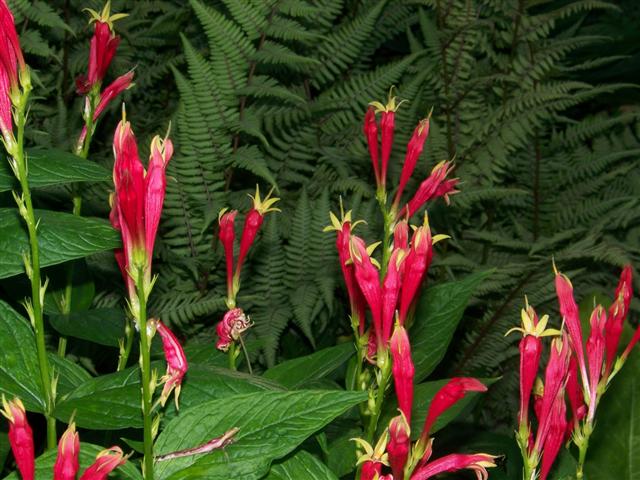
column 535, row 100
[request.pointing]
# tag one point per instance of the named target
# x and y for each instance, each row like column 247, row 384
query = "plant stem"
column 583, row 446
column 35, row 278
column 126, row 351
column 385, row 373
column 232, row 356
column 145, row 372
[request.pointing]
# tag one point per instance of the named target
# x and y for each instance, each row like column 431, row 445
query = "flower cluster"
column 136, row 205
column 575, row 372
column 102, row 50
column 235, row 322
column 395, row 457
column 15, row 80
column 434, row 186
column 67, row 464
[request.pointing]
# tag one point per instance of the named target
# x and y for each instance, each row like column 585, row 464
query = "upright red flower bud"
column 106, row 462
column 229, row 329
column 430, row 188
column 555, row 436
column 403, row 370
column 595, row 354
column 368, row 281
column 454, row 391
column 67, row 464
column 571, row 316
column 387, row 127
column 399, row 445
column 227, row 235
column 414, row 149
column 554, row 380
column 371, row 470
column 252, row 223
column 371, row 134
column 374, row 458
column 20, row 436
column 478, row 463
column 155, row 186
column 617, row 314
column 390, row 291
column 416, row 266
column 102, row 49
column 176, row 362
column 11, row 59
column 530, row 351
column 401, row 235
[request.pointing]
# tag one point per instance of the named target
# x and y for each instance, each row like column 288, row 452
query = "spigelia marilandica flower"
column 403, row 370
column 399, row 445
column 532, row 329
column 370, row 129
column 478, row 463
column 555, row 434
column 229, row 329
column 102, row 49
column 387, row 127
column 13, row 73
column 436, row 185
column 137, row 204
column 176, row 362
column 106, row 462
column 20, row 436
column 595, row 355
column 373, row 458
column 344, row 227
column 575, row 396
column 227, row 235
column 67, row 462
column 391, row 284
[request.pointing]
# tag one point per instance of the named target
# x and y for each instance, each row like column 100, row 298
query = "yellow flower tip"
column 538, row 387
column 391, row 105
column 439, row 238
column 222, row 212
column 104, row 15
column 266, row 205
column 553, row 264
column 514, row 329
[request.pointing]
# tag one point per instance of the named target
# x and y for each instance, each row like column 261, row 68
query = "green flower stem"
column 583, row 446
column 77, row 209
column 145, row 372
column 126, row 346
column 385, row 374
column 34, row 277
column 233, row 355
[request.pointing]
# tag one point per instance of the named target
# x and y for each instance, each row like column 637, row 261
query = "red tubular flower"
column 6, row 124
column 229, row 329
column 371, row 470
column 227, row 235
column 478, row 462
column 374, row 458
column 67, row 463
column 595, row 355
column 574, row 393
column 368, row 281
column 252, row 223
column 20, row 436
column 571, row 316
column 446, row 188
column 399, row 445
column 176, row 362
column 106, row 462
column 403, row 370
column 416, row 266
column 401, row 235
column 554, row 379
column 11, row 59
column 390, row 291
column 431, row 188
column 454, row 391
column 617, row 313
column 371, row 134
column 387, row 126
column 414, row 149
column 555, row 436
column 102, row 49
column 139, row 196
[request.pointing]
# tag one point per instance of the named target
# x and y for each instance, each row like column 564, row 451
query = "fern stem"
column 35, row 310
column 536, row 189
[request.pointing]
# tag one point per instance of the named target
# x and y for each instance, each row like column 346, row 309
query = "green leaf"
column 422, row 396
column 271, row 424
column 70, row 375
column 61, row 236
column 19, row 373
column 614, row 448
column 53, row 167
column 302, row 465
column 88, row 452
column 438, row 313
column 295, row 373
column 103, row 326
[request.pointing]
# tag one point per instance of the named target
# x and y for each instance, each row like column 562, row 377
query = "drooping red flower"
column 432, row 187
column 414, row 149
column 177, row 365
column 67, row 463
column 595, row 355
column 450, row 394
column 416, row 266
column 20, row 436
column 229, row 329
column 403, row 370
column 252, row 223
column 555, row 435
column 478, row 463
column 106, row 462
column 369, row 282
column 138, row 200
column 11, row 64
